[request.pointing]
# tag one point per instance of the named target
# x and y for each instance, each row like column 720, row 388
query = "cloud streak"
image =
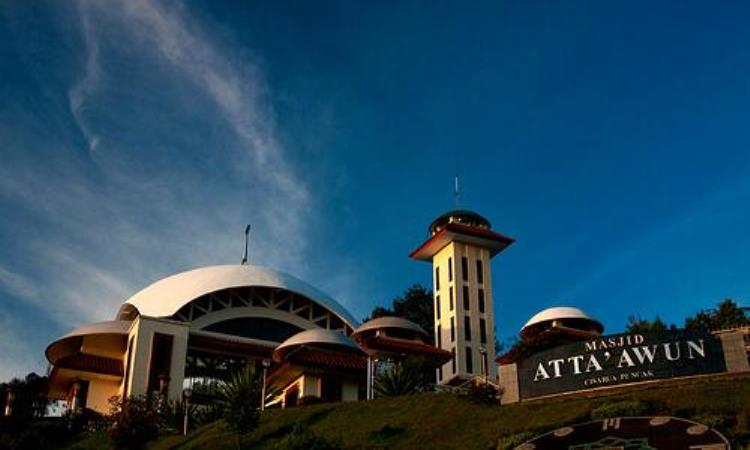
column 137, row 209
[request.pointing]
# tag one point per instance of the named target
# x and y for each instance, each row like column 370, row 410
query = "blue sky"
column 610, row 139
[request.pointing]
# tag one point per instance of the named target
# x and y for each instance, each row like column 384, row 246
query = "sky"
column 609, row 139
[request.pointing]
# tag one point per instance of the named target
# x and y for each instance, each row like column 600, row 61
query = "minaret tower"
column 460, row 247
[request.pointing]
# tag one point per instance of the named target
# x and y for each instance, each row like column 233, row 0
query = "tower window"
column 469, row 362
column 437, row 306
column 464, row 268
column 439, row 337
column 450, row 297
column 453, row 359
column 481, row 300
column 450, row 269
column 467, row 328
column 437, row 278
column 453, row 329
column 483, row 331
column 466, row 298
column 480, row 271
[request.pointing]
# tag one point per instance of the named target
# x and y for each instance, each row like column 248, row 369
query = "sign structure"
column 632, row 433
column 619, row 359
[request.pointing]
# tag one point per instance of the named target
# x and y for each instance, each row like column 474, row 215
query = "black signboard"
column 632, row 433
column 619, row 359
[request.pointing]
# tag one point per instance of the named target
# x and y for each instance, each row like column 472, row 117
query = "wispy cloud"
column 134, row 212
column 86, row 86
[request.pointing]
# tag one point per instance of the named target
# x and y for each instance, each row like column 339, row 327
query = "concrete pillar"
column 509, row 383
column 735, row 354
column 142, row 336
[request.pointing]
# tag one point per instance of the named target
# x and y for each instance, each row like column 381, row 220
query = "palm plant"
column 240, row 400
column 399, row 379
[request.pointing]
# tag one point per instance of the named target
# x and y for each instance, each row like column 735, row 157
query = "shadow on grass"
column 286, row 429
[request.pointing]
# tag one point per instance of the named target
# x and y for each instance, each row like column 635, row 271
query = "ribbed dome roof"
column 390, row 322
column 166, row 296
column 557, row 313
column 462, row 216
column 318, row 336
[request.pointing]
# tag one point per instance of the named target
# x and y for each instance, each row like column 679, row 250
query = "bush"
column 625, row 408
column 513, row 440
column 310, row 400
column 134, row 423
column 301, row 438
column 483, row 394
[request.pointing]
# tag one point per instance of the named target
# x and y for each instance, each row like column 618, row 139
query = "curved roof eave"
column 165, row 297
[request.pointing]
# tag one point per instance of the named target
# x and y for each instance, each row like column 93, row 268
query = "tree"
column 636, row 324
column 727, row 315
column 415, row 304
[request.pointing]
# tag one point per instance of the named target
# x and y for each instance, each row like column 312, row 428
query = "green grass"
column 448, row 421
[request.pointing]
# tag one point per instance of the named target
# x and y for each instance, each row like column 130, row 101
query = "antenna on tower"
column 457, row 192
column 244, row 255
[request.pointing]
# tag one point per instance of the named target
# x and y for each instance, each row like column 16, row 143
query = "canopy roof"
column 390, row 322
column 70, row 343
column 318, row 336
column 166, row 296
column 559, row 313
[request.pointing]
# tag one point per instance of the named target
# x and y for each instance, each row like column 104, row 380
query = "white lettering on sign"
column 624, row 352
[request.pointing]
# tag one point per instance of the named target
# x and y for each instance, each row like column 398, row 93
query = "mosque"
column 181, row 334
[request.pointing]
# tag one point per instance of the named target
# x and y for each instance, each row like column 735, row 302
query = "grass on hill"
column 449, row 421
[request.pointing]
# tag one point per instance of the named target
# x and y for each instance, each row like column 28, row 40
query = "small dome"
column 461, row 216
column 318, row 336
column 562, row 313
column 390, row 322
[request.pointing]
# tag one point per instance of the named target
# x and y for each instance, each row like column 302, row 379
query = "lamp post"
column 9, row 403
column 483, row 351
column 266, row 364
column 186, row 394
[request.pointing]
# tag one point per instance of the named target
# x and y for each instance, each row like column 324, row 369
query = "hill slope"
column 448, row 421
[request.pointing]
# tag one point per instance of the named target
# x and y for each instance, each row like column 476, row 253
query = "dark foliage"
column 415, row 304
column 310, row 400
column 240, row 399
column 134, row 423
column 483, row 393
column 727, row 315
column 642, row 326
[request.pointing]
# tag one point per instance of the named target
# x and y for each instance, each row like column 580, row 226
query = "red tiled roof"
column 91, row 363
column 401, row 346
column 315, row 357
column 482, row 233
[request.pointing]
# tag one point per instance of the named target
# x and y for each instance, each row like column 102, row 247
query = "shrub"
column 310, row 400
column 711, row 420
column 625, row 408
column 301, row 438
column 134, row 423
column 484, row 394
column 513, row 440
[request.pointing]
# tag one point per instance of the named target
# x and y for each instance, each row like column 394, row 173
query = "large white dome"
column 166, row 296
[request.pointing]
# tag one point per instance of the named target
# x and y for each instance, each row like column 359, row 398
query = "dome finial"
column 457, row 191
column 244, row 255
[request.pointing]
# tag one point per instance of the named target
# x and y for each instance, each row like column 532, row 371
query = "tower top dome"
column 461, row 216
